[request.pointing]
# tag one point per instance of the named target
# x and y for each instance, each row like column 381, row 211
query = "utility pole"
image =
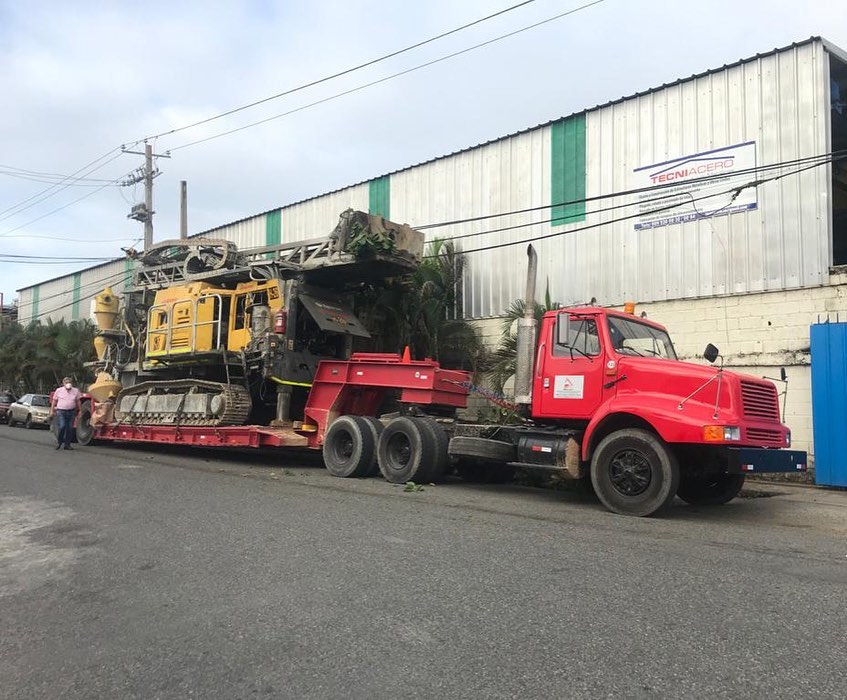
column 144, row 212
column 183, row 209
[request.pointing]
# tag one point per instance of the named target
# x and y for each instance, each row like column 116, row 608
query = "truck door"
column 570, row 369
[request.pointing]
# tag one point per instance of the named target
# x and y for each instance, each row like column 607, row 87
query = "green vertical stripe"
column 36, row 293
column 128, row 267
column 273, row 227
column 567, row 164
column 379, row 196
column 75, row 304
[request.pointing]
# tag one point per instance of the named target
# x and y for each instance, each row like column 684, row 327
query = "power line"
column 827, row 157
column 56, row 188
column 385, row 79
column 58, row 209
column 730, row 191
column 114, row 277
column 339, row 74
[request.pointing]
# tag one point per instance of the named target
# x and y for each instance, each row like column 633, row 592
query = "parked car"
column 31, row 410
column 7, row 398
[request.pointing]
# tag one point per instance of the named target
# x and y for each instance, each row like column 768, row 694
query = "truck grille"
column 764, row 436
column 760, row 401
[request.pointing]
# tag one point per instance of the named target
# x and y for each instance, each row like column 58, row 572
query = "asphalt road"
column 137, row 573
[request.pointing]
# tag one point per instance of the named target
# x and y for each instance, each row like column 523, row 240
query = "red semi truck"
column 599, row 395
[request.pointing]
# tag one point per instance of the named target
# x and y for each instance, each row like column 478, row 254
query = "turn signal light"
column 721, row 433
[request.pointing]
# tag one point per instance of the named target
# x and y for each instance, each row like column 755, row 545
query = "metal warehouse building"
column 706, row 200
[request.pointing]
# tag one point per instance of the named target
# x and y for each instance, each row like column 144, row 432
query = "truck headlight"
column 721, row 433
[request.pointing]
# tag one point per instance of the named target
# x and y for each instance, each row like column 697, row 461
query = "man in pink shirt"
column 65, row 406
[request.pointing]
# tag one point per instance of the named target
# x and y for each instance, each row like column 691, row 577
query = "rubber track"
column 236, row 411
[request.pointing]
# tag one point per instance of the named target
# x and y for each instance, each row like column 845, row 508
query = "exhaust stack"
column 527, row 332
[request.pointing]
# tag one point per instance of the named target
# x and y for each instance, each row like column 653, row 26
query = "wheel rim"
column 342, row 447
column 399, row 451
column 630, row 473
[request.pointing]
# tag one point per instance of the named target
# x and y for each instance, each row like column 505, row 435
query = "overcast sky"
column 78, row 79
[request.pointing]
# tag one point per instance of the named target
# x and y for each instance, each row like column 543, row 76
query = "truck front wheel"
column 634, row 473
column 710, row 491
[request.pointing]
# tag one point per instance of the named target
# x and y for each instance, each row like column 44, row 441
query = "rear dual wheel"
column 349, row 447
column 413, row 449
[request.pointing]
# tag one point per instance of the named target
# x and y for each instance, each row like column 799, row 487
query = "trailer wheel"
column 375, row 426
column 710, row 491
column 84, row 429
column 634, row 473
column 348, row 447
column 441, row 462
column 406, row 451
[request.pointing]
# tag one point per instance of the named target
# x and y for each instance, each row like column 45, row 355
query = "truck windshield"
column 630, row 337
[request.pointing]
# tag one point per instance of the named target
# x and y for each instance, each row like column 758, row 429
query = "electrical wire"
column 832, row 156
column 56, row 188
column 730, row 191
column 386, row 78
column 339, row 74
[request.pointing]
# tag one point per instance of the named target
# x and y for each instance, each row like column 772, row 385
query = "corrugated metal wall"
column 770, row 109
column 777, row 102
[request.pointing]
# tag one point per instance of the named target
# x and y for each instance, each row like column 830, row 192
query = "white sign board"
column 568, row 386
column 696, row 186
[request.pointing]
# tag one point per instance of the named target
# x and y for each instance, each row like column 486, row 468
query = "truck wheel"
column 634, row 473
column 481, row 471
column 84, row 429
column 406, row 451
column 28, row 422
column 710, row 491
column 348, row 447
column 482, row 448
column 441, row 462
column 375, row 426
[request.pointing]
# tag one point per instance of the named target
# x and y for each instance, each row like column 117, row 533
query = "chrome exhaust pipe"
column 527, row 331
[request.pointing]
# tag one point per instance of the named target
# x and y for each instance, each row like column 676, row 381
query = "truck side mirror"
column 711, row 353
column 563, row 329
column 783, row 374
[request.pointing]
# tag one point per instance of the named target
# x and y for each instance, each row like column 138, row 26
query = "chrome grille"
column 760, row 401
column 765, row 436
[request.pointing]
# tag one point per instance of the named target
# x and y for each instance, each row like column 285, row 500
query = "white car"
column 31, row 410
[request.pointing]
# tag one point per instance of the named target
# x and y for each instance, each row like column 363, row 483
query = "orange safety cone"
column 407, row 356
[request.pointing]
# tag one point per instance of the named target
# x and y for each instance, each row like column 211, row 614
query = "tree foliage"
column 34, row 358
column 424, row 312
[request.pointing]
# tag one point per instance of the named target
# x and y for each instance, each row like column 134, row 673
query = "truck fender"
column 630, row 415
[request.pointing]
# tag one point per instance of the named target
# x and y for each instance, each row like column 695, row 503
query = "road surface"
column 139, row 573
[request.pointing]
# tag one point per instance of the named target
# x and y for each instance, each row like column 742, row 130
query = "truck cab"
column 615, row 379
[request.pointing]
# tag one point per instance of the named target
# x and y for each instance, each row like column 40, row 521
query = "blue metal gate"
column 829, row 402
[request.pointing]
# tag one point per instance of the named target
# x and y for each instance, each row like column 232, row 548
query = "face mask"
column 68, row 385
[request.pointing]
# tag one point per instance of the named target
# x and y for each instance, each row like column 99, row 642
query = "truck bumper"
column 753, row 460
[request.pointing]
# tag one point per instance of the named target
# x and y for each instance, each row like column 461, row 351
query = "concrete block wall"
column 756, row 334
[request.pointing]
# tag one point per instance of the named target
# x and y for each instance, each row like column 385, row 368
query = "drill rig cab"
column 211, row 336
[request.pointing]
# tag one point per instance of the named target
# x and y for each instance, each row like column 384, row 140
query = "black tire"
column 634, row 473
column 9, row 420
column 375, row 425
column 28, row 422
column 406, row 451
column 482, row 449
column 441, row 459
column 348, row 448
column 483, row 471
column 710, row 491
column 84, row 429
